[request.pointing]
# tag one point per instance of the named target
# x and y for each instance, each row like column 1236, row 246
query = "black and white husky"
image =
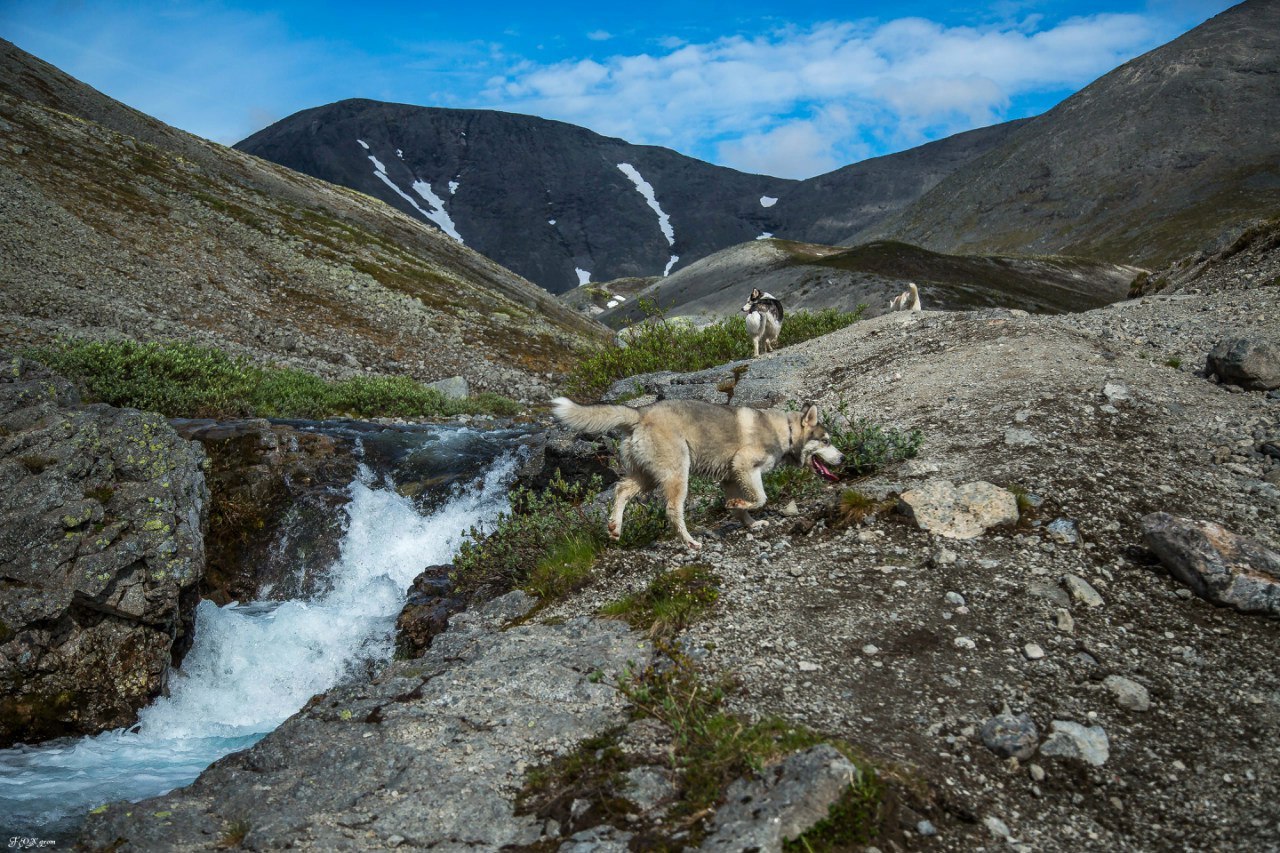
column 764, row 320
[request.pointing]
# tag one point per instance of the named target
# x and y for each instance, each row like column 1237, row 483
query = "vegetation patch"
column 183, row 380
column 851, row 822
column 657, row 343
column 670, row 603
column 565, row 567
column 555, row 521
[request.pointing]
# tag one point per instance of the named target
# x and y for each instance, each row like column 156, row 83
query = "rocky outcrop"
column 1216, row 564
column 426, row 612
column 431, row 754
column 275, row 519
column 102, row 512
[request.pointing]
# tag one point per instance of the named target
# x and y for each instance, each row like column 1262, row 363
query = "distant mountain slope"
column 555, row 202
column 1142, row 166
column 809, row 276
column 116, row 224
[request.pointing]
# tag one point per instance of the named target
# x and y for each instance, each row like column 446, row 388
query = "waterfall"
column 253, row 665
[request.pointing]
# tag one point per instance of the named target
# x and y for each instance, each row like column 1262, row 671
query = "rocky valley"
column 1038, row 611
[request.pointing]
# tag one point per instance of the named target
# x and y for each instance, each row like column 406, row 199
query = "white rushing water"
column 252, row 666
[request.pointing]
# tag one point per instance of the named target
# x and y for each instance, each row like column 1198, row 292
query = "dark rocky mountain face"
column 116, row 224
column 548, row 199
column 1143, row 166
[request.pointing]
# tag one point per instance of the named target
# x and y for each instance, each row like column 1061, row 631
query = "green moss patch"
column 670, row 603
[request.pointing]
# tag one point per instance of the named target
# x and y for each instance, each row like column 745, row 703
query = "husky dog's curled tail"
column 594, row 418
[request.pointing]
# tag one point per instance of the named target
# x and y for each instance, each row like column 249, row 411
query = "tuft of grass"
column 36, row 463
column 565, row 567
column 856, row 506
column 179, row 379
column 712, row 747
column 1174, row 362
column 670, row 603
column 656, row 344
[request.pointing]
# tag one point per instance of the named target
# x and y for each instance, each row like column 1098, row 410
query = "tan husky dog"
column 671, row 439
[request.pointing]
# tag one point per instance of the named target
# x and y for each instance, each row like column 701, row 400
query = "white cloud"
column 796, row 102
column 599, row 35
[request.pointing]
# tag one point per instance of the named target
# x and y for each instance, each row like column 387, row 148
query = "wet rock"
column 426, row 612
column 102, row 513
column 1216, row 564
column 1072, row 740
column 782, row 801
column 1127, row 693
column 1010, row 736
column 432, row 750
column 1251, row 363
column 962, row 512
column 276, row 492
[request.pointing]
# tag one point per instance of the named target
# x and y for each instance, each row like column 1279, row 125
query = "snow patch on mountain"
column 765, row 235
column 671, row 263
column 767, row 201
column 584, row 276
column 436, row 213
column 453, row 187
column 646, row 190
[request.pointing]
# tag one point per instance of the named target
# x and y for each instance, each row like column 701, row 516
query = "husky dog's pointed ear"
column 810, row 416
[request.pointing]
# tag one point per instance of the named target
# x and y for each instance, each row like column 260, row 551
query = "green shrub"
column 179, row 379
column 565, row 567
column 657, row 343
column 868, row 446
column 539, row 524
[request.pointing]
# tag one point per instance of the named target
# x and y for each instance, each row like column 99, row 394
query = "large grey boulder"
column 1251, row 363
column 102, row 513
column 1216, row 564
column 429, row 754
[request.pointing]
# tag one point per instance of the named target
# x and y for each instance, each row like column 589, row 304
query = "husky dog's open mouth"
column 821, row 469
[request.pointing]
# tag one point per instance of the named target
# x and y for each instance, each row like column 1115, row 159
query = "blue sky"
column 791, row 89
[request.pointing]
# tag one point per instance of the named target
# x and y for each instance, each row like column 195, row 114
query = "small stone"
column 1063, row 622
column 1063, row 531
column 1020, row 438
column 964, row 643
column 926, row 829
column 944, row 556
column 1010, row 736
column 808, row 666
column 791, row 510
column 869, row 649
column 1128, row 694
column 955, row 598
column 1036, row 771
column 1033, row 651
column 1081, row 592
column 1072, row 740
column 395, row 840
column 996, row 826
column 1115, row 392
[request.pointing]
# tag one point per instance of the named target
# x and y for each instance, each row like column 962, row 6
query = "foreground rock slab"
column 1216, row 564
column 430, row 754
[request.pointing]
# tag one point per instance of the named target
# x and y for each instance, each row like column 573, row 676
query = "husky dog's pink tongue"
column 823, row 470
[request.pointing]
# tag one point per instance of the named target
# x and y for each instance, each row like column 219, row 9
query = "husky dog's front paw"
column 614, row 532
column 693, row 544
column 737, row 503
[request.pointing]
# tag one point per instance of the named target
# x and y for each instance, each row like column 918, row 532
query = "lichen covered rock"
column 102, row 513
